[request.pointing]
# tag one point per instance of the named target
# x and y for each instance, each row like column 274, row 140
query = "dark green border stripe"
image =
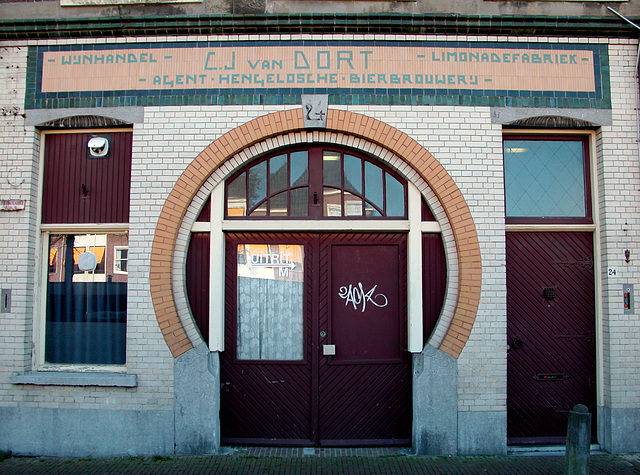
column 379, row 23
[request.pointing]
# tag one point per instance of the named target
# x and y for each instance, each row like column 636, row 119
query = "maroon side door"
column 341, row 375
column 551, row 363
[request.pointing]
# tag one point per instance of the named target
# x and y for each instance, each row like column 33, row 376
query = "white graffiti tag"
column 356, row 295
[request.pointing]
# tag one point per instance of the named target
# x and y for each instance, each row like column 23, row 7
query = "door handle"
column 328, row 350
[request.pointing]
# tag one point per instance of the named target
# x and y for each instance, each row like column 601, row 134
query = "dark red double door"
column 315, row 340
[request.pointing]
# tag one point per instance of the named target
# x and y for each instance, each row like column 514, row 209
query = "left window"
column 85, row 215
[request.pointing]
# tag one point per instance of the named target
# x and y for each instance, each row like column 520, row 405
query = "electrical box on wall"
column 627, row 295
column 5, row 301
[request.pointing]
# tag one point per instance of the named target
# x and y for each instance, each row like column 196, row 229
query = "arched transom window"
column 316, row 182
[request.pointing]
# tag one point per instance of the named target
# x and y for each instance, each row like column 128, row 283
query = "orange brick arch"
column 261, row 128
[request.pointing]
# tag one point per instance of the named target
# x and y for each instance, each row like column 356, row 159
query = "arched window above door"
column 316, row 182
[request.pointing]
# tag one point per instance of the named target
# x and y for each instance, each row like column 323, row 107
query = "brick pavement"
column 239, row 462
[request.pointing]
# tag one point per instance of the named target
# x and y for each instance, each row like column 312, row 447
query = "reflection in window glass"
column 395, row 196
column 299, row 168
column 270, row 300
column 370, row 210
column 331, row 169
column 278, row 205
column 373, row 184
column 332, row 202
column 257, row 183
column 544, row 178
column 299, row 202
column 121, row 259
column 353, row 174
column 260, row 210
column 237, row 196
column 86, row 300
column 352, row 205
column 278, row 179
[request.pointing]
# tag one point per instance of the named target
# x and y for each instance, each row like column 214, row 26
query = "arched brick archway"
column 261, row 128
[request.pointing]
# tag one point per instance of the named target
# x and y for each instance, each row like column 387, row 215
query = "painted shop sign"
column 362, row 66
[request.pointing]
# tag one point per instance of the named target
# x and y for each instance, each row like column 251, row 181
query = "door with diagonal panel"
column 315, row 340
column 551, row 363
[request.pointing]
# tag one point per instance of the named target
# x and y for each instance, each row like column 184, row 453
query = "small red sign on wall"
column 11, row 205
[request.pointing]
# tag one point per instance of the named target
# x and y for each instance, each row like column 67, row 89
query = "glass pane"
column 278, row 179
column 352, row 205
column 394, row 196
column 299, row 168
column 257, row 177
column 237, row 196
column 86, row 301
column 331, row 169
column 373, row 190
column 300, row 202
column 544, row 178
column 260, row 210
column 353, row 174
column 278, row 205
column 370, row 210
column 270, row 307
column 332, row 202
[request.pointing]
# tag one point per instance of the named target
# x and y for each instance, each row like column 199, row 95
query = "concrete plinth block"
column 197, row 402
column 435, row 403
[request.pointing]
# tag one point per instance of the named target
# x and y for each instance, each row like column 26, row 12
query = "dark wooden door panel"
column 434, row 281
column 197, row 281
column 363, row 397
column 365, row 389
column 550, row 330
column 265, row 402
column 78, row 189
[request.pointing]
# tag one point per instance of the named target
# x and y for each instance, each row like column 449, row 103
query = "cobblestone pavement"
column 317, row 461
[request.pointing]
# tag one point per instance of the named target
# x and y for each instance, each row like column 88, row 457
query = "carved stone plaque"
column 314, row 110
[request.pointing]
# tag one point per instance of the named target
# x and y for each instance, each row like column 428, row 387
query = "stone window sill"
column 61, row 378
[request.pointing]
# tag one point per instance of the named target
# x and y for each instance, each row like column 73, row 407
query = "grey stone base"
column 619, row 429
column 192, row 427
column 197, row 402
column 84, row 432
column 438, row 427
column 435, row 403
column 482, row 433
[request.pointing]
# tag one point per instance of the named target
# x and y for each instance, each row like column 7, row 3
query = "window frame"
column 117, row 250
column 40, row 320
column 42, row 274
column 578, row 136
column 316, row 186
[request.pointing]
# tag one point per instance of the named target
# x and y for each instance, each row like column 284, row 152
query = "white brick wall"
column 619, row 189
column 19, row 148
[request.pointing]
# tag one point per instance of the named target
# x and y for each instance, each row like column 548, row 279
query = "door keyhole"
column 323, row 334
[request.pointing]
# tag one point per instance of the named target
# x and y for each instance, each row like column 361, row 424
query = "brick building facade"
column 510, row 138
